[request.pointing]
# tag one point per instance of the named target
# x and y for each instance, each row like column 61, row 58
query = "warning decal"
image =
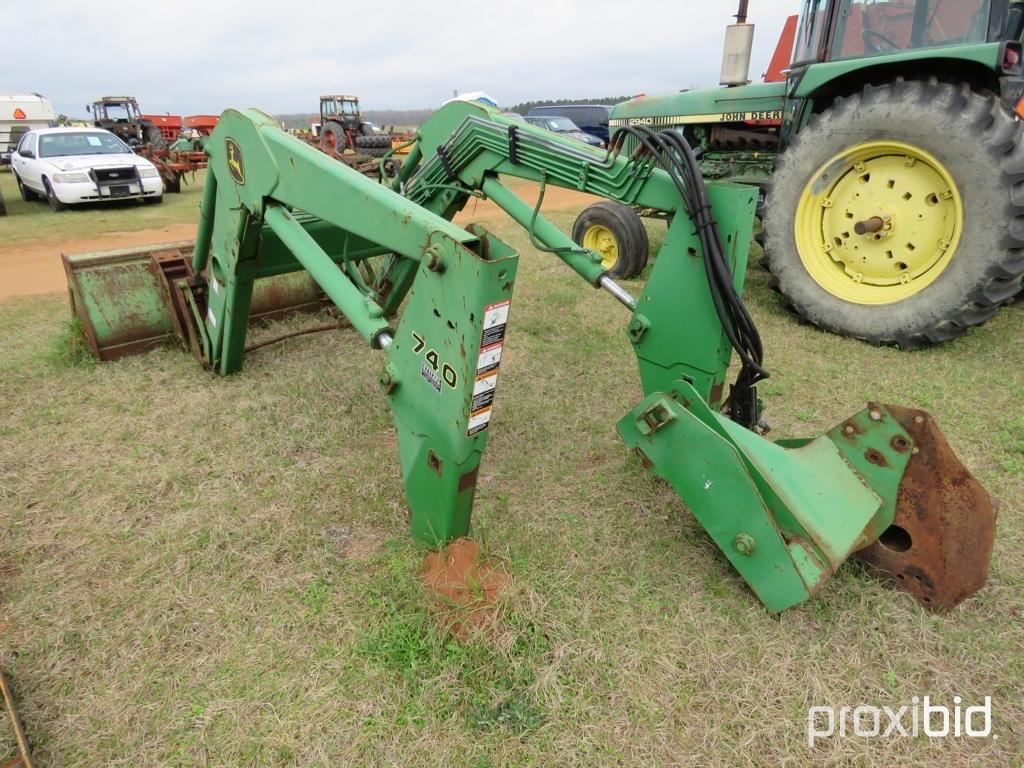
column 492, row 344
column 495, row 321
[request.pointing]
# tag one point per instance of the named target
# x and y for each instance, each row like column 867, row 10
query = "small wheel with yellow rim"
column 615, row 232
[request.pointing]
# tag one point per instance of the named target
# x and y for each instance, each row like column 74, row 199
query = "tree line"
column 526, row 106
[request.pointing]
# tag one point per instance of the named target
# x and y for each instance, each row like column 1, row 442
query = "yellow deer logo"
column 235, row 165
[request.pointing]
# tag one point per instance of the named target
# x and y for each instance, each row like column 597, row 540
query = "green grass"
column 204, row 571
column 33, row 222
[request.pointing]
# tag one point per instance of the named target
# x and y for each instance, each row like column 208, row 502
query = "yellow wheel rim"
column 602, row 240
column 879, row 222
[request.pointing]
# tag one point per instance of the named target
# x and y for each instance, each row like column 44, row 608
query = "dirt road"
column 30, row 269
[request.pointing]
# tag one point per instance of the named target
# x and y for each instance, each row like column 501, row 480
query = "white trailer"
column 20, row 113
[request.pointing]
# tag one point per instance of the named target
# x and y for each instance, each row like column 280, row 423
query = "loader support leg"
column 441, row 375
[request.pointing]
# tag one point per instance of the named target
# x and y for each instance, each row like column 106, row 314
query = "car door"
column 26, row 163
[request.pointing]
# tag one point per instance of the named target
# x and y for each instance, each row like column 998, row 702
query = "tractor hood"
column 758, row 102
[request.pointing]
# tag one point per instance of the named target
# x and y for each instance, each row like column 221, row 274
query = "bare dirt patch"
column 464, row 586
column 35, row 269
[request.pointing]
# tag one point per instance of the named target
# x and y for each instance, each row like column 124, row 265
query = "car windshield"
column 560, row 124
column 84, row 143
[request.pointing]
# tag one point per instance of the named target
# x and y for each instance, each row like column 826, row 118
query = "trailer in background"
column 19, row 114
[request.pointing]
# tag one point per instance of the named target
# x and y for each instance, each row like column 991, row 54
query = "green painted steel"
column 787, row 515
column 441, row 374
column 818, row 76
column 812, row 83
column 786, row 518
column 705, row 106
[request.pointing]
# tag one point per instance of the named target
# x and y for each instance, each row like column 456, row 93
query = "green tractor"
column 889, row 157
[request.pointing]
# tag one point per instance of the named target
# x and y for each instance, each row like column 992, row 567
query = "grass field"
column 199, row 571
column 27, row 222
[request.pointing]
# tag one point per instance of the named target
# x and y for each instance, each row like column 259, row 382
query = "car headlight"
column 148, row 173
column 71, row 178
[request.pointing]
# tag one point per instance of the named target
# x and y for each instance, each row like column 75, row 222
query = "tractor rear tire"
column 941, row 167
column 373, row 142
column 332, row 137
column 154, row 138
column 616, row 232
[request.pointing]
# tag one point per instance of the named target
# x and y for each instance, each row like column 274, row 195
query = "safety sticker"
column 492, row 345
column 489, row 359
column 483, row 392
column 478, row 421
column 495, row 322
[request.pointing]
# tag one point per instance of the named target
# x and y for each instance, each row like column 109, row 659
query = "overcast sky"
column 188, row 57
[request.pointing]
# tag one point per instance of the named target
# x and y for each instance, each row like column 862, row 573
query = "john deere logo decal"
column 236, row 167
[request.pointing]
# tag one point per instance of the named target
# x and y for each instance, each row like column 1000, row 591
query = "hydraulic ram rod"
column 365, row 314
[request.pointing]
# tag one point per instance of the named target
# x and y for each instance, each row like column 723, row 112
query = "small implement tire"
column 615, row 232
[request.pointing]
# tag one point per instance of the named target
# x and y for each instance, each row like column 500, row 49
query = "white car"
column 67, row 166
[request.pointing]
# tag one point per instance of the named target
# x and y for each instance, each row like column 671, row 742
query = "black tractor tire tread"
column 373, row 142
column 629, row 230
column 154, row 138
column 996, row 156
column 329, row 129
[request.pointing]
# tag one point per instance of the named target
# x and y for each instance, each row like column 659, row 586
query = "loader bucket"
column 124, row 302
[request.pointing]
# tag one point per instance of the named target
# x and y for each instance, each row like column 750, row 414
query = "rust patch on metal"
column 940, row 544
column 876, row 457
column 465, row 588
column 468, row 480
column 900, row 444
column 643, row 458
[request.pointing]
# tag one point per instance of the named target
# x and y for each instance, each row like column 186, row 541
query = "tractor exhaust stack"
column 739, row 46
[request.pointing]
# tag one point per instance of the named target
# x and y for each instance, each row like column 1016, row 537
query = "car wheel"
column 55, row 205
column 26, row 194
column 153, row 200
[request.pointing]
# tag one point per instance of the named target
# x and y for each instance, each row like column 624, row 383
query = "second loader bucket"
column 124, row 299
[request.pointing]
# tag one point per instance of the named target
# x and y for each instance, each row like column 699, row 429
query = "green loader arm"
column 883, row 483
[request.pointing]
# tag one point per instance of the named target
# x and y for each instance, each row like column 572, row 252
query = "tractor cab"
column 341, row 121
column 837, row 30
column 341, row 109
column 121, row 116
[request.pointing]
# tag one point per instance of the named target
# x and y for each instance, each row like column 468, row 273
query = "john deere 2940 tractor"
column 889, row 155
column 281, row 220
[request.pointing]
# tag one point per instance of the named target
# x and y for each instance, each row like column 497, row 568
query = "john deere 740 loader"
column 889, row 154
column 436, row 300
